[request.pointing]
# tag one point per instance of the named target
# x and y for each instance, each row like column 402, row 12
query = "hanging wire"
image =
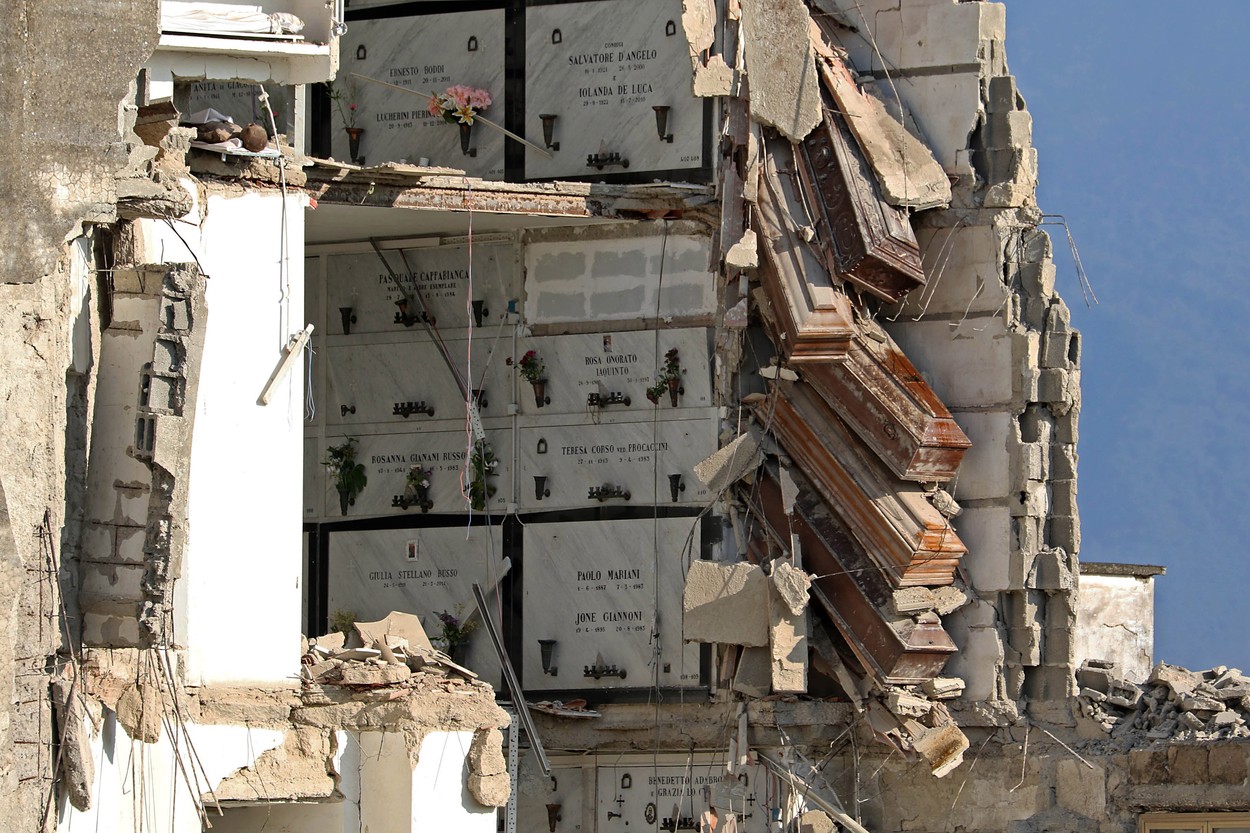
column 1087, row 289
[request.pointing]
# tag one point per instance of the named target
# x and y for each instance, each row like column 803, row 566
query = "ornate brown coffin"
column 854, row 593
column 810, row 312
column 880, row 394
column 865, row 239
column 906, row 537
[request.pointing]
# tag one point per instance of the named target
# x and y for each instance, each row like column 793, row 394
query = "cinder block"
column 1010, row 129
column 1063, row 460
column 985, row 469
column 966, row 368
column 1065, row 531
column 1063, row 497
column 1003, row 95
column 986, row 531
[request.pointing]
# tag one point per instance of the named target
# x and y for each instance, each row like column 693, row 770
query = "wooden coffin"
column 866, row 240
column 809, row 310
column 906, row 537
column 853, row 592
column 881, row 396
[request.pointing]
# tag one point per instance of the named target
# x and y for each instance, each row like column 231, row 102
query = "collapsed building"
column 683, row 437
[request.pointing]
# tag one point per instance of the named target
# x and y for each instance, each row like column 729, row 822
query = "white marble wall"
column 425, row 54
column 422, row 572
column 592, row 586
column 239, row 100
column 627, row 363
column 373, row 374
column 601, row 67
column 636, row 456
column 387, row 455
column 676, row 789
column 441, row 273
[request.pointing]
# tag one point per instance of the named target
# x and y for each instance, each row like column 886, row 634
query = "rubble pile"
column 393, row 653
column 1173, row 702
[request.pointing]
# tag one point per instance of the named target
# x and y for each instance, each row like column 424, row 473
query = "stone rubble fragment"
column 1173, row 704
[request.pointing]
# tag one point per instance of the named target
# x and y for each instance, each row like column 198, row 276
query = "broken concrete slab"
column 792, row 585
column 787, row 644
column 745, row 254
column 943, row 747
column 780, row 63
column 490, row 790
column 368, row 674
column 726, row 604
column 403, row 625
column 943, row 688
column 753, row 676
column 77, row 762
column 730, row 463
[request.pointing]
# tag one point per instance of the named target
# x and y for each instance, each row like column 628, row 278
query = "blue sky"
column 1141, row 122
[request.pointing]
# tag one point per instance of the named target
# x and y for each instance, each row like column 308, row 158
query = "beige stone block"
column 490, row 790
column 788, row 645
column 726, row 604
column 486, row 753
column 139, row 711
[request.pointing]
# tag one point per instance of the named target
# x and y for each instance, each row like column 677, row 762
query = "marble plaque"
column 388, row 457
column 418, row 571
column 239, row 101
column 593, row 587
column 367, row 381
column 441, row 273
column 601, row 68
column 625, row 364
column 637, row 457
column 678, row 790
column 425, row 54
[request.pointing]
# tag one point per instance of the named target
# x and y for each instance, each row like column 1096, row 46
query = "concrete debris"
column 753, row 676
column 77, row 762
column 405, row 626
column 907, row 705
column 785, row 91
column 726, row 604
column 490, row 790
column 944, row 503
column 715, row 78
column 369, row 674
column 745, row 254
column 817, row 821
column 943, row 747
column 792, row 584
column 787, row 641
column 139, row 711
column 772, row 371
column 943, row 688
column 730, row 463
column 1173, row 704
column 486, row 753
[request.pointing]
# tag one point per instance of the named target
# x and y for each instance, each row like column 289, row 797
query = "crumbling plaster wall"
column 65, row 145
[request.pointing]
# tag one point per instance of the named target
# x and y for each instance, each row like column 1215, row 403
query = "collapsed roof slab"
column 903, row 533
column 394, row 200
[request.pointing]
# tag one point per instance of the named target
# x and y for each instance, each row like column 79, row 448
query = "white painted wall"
column 238, row 602
column 1116, row 621
column 139, row 786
